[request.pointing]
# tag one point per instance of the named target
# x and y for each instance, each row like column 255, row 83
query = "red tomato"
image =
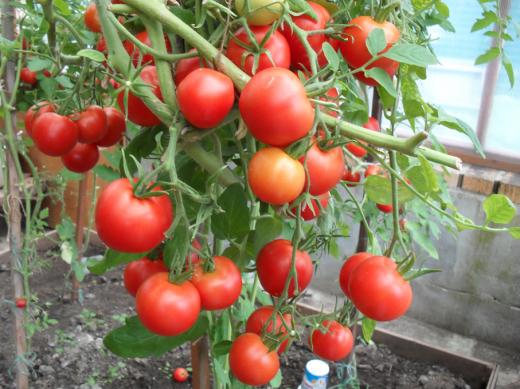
column 275, row 177
column 116, row 127
column 309, row 213
column 334, row 344
column 130, row 224
column 36, row 110
column 205, row 97
column 372, row 124
column 138, row 112
column 347, row 268
column 28, row 76
column 273, row 265
column 92, row 124
column 81, row 158
column 181, row 374
column 378, row 290
column 372, row 170
column 251, row 362
column 275, row 107
column 351, row 176
column 325, row 168
column 355, row 51
column 385, row 208
column 257, row 323
column 188, row 65
column 167, row 309
column 276, row 45
column 53, row 134
column 299, row 58
column 92, row 18
column 135, row 53
column 360, row 151
column 20, row 302
column 137, row 272
column 220, row 288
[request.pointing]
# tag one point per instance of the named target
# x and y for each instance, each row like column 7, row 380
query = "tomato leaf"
column 94, row 55
column 233, row 223
column 176, row 249
column 487, row 20
column 112, row 259
column 383, row 79
column 106, row 173
column 508, row 67
column 141, row 146
column 488, row 56
column 431, row 177
column 276, row 382
column 379, row 190
column 222, row 348
column 515, row 232
column 133, row 340
column 266, row 230
column 37, row 64
column 331, row 55
column 411, row 54
column 376, row 41
column 499, row 209
column 422, row 238
column 368, row 327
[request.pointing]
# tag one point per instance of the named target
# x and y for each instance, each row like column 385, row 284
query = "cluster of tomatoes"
column 76, row 137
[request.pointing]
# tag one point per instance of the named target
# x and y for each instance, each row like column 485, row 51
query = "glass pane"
column 456, row 84
column 503, row 134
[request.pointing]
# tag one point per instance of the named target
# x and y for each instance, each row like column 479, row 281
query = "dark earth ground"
column 70, row 353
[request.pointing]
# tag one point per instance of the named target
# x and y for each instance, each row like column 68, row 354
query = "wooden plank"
column 477, row 185
column 511, row 191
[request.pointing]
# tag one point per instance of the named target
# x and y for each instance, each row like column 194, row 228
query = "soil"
column 69, row 354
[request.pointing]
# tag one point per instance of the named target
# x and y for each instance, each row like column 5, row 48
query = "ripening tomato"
column 347, row 268
column 273, row 265
column 187, row 65
column 378, row 290
column 138, row 112
column 355, row 51
column 54, row 134
column 373, row 170
column 334, row 344
column 260, row 12
column 116, row 127
column 92, row 124
column 181, row 374
column 277, row 47
column 275, row 107
column 309, row 213
column 275, row 177
column 251, row 362
column 36, row 110
column 28, row 76
column 20, row 302
column 258, row 322
column 165, row 308
column 131, row 224
column 385, row 208
column 92, row 18
column 360, row 151
column 135, row 53
column 219, row 288
column 205, row 97
column 325, row 168
column 137, row 272
column 81, row 158
column 351, row 176
column 299, row 57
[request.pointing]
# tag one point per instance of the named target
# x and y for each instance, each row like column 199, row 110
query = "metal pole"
column 14, row 211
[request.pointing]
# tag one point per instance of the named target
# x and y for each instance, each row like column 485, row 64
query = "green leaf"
column 92, row 54
column 185, row 15
column 488, row 56
column 112, row 259
column 487, row 20
column 421, row 272
column 37, row 64
column 64, row 81
column 432, row 179
column 423, row 239
column 176, row 249
column 141, row 146
column 233, row 223
column 276, row 382
column 411, row 54
column 48, row 85
column 222, row 348
column 382, row 79
column 62, row 6
column 508, row 67
column 379, row 190
column 368, row 327
column 67, row 175
column 376, row 41
column 515, row 232
column 499, row 209
column 456, row 124
column 133, row 340
column 106, row 173
column 443, row 8
column 331, row 55
column 266, row 230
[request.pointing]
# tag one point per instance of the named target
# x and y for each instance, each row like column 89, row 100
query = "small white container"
column 316, row 375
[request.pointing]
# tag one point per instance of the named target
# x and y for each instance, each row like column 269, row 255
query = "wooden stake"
column 80, row 228
column 200, row 363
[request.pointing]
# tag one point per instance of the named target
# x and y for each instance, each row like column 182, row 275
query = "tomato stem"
column 382, row 14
